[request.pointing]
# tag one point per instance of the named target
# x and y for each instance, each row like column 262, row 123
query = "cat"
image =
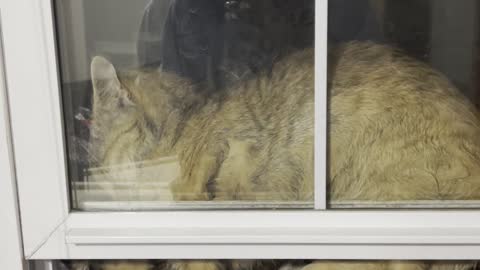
column 398, row 130
column 253, row 142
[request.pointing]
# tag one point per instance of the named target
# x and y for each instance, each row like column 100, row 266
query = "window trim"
column 11, row 255
column 30, row 65
column 50, row 231
column 365, row 235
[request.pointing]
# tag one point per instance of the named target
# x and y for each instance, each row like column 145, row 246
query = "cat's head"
column 134, row 112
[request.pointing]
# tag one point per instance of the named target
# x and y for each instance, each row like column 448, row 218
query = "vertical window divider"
column 321, row 105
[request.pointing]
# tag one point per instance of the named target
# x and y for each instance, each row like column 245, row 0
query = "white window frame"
column 50, row 231
column 11, row 251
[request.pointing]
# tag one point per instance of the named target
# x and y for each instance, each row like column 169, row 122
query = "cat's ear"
column 104, row 76
column 106, row 84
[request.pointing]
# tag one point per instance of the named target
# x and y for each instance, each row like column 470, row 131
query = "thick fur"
column 398, row 129
column 255, row 142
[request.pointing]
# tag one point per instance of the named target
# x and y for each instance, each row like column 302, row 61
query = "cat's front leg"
column 196, row 172
column 233, row 181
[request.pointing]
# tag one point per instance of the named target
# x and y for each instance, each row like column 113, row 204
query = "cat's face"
column 120, row 130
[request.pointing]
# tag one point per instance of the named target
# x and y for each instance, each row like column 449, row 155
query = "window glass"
column 404, row 95
column 187, row 103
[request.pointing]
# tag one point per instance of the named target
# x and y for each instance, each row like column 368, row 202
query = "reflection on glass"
column 403, row 96
column 188, row 104
column 265, row 265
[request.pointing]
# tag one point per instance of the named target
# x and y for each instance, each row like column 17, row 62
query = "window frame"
column 51, row 231
column 11, row 255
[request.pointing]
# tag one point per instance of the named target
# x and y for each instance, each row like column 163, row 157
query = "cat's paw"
column 181, row 191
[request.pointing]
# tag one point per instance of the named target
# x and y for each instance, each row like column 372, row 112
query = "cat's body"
column 398, row 129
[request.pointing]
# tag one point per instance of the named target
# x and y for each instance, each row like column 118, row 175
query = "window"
column 238, row 129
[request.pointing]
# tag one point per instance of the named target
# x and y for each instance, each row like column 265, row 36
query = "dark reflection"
column 216, row 41
column 443, row 33
column 353, row 20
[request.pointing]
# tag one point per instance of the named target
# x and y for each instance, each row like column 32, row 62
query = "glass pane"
column 188, row 103
column 265, row 265
column 404, row 94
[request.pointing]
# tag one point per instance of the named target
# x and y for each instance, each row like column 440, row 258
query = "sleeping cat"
column 398, row 130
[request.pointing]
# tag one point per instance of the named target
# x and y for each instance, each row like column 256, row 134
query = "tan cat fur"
column 398, row 129
column 253, row 143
